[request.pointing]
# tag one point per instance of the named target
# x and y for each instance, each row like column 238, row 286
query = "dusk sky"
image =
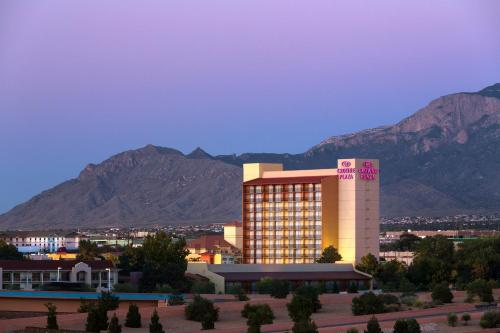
column 83, row 80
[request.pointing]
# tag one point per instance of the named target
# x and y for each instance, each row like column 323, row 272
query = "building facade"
column 39, row 241
column 289, row 217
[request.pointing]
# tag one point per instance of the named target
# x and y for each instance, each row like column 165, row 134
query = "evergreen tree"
column 373, row 326
column 155, row 325
column 335, row 287
column 51, row 316
column 133, row 317
column 305, row 326
column 400, row 326
column 329, row 256
column 413, row 326
column 114, row 326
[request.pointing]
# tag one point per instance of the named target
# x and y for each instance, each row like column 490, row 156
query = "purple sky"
column 80, row 81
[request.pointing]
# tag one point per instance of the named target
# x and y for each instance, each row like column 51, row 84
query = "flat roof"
column 51, row 265
column 286, row 180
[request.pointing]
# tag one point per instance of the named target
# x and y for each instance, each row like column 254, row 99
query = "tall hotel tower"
column 291, row 216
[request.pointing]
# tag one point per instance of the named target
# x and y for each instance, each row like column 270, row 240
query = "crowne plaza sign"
column 367, row 172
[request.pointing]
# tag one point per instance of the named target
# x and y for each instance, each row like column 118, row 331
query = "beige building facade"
column 289, row 217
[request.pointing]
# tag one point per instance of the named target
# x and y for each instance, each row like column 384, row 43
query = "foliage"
column 465, row 318
column 368, row 264
column 124, row 288
column 131, row 260
column 452, row 319
column 133, row 317
column 305, row 326
column 335, row 288
column 300, row 308
column 208, row 321
column 480, row 288
column 370, row 303
column 97, row 319
column 441, row 292
column 352, row 330
column 413, row 326
column 155, row 326
column 257, row 315
column 390, row 274
column 87, row 250
column 114, row 326
column 406, row 242
column 478, row 259
column 175, row 299
column 490, row 319
column 107, row 301
column 203, row 287
column 400, row 326
column 373, row 326
column 275, row 288
column 353, row 288
column 312, row 293
column 238, row 293
column 9, row 252
column 329, row 256
column 199, row 307
column 164, row 288
column 51, row 316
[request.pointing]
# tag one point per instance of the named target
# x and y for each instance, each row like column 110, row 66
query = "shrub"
column 203, row 287
column 241, row 297
column 175, row 299
column 275, row 288
column 465, row 318
column 368, row 303
column 97, row 320
column 441, row 292
column 480, row 288
column 114, row 326
column 199, row 307
column 373, row 326
column 86, row 305
column 133, row 317
column 312, row 293
column 155, row 326
column 305, row 326
column 413, row 326
column 51, row 316
column 257, row 315
column 107, row 301
column 164, row 289
column 452, row 319
column 490, row 319
column 353, row 288
column 208, row 321
column 300, row 308
column 400, row 326
column 352, row 330
column 124, row 288
column 235, row 289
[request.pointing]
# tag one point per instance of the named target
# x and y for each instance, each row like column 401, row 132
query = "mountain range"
column 442, row 160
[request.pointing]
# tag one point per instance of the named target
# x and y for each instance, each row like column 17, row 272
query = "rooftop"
column 52, row 265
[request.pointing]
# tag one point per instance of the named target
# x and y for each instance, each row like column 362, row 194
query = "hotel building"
column 289, row 217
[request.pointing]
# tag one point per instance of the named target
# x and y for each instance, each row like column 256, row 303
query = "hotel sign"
column 367, row 172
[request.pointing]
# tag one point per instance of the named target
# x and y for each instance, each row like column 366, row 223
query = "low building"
column 402, row 256
column 213, row 249
column 247, row 275
column 34, row 274
column 40, row 241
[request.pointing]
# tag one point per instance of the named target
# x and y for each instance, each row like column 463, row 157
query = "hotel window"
column 278, row 188
column 318, row 196
column 277, row 197
column 251, row 189
column 298, row 188
column 317, row 187
column 258, row 189
column 298, row 196
column 310, row 187
column 258, row 198
column 269, row 189
column 290, row 188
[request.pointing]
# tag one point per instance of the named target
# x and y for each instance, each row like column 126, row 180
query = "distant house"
column 213, row 249
column 34, row 274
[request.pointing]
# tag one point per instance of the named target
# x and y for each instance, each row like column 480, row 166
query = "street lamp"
column 109, row 278
column 58, row 270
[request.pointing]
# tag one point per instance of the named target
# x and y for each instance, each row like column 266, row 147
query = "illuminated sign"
column 366, row 172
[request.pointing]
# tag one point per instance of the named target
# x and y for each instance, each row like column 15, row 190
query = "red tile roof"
column 209, row 242
column 286, row 180
column 51, row 265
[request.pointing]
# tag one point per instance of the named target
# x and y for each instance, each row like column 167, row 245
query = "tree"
column 114, row 326
column 87, row 250
column 97, row 319
column 490, row 319
column 352, row 330
column 311, row 293
column 480, row 288
column 465, row 318
column 368, row 303
column 441, row 292
column 373, row 326
column 452, row 319
column 107, row 301
column 305, row 326
column 275, row 288
column 329, row 256
column 133, row 319
column 203, row 287
column 257, row 315
column 208, row 321
column 51, row 316
column 199, row 307
column 155, row 325
column 390, row 274
column 9, row 252
column 300, row 308
column 131, row 260
column 164, row 262
column 413, row 326
column 368, row 264
column 478, row 259
column 400, row 326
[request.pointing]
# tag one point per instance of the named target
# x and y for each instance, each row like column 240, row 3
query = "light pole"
column 58, row 270
column 109, row 278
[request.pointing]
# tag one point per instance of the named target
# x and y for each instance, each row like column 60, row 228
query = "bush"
column 352, row 330
column 107, row 301
column 133, row 317
column 114, row 326
column 155, row 326
column 275, row 288
column 305, row 326
column 242, row 297
column 86, row 305
column 413, row 326
column 400, row 326
column 368, row 303
column 97, row 320
column 175, row 299
column 199, row 307
column 441, row 292
column 353, row 288
column 452, row 319
column 164, row 289
column 51, row 316
column 300, row 308
column 465, row 318
column 203, row 287
column 373, row 326
column 124, row 288
column 235, row 289
column 480, row 288
column 208, row 321
column 312, row 293
column 490, row 319
column 257, row 315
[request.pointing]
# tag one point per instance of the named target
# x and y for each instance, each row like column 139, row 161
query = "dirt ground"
column 334, row 317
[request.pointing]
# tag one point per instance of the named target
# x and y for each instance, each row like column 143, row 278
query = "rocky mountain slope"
column 444, row 159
